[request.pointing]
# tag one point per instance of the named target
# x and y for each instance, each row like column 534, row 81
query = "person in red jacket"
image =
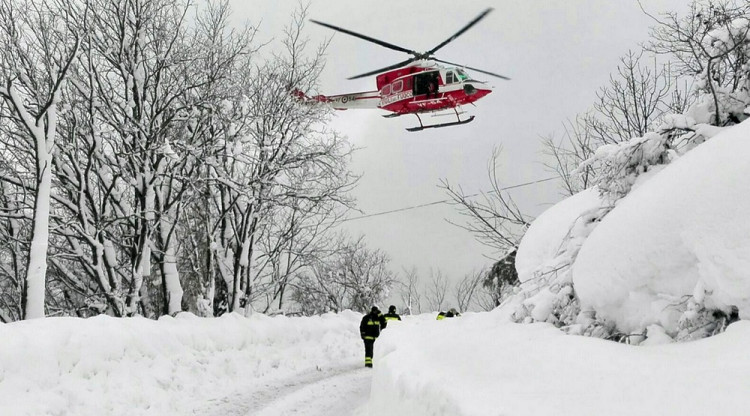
column 369, row 330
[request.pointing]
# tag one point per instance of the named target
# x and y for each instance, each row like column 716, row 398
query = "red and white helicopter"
column 417, row 85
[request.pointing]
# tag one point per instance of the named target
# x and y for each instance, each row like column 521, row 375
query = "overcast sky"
column 557, row 54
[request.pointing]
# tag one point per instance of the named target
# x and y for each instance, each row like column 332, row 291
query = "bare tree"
column 494, row 219
column 465, row 290
column 38, row 47
column 149, row 162
column 409, row 291
column 635, row 97
column 352, row 277
column 436, row 290
column 712, row 43
column 566, row 155
column 278, row 151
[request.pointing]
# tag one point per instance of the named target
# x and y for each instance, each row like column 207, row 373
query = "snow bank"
column 681, row 238
column 544, row 241
column 481, row 364
column 136, row 366
column 545, row 255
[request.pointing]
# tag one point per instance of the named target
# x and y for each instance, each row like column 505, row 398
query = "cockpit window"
column 462, row 76
column 450, row 77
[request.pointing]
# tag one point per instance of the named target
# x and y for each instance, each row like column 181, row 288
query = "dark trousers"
column 369, row 347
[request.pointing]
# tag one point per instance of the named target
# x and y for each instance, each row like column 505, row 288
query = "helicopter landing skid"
column 436, row 126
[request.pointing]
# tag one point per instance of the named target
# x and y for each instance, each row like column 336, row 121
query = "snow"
column 682, row 234
column 136, row 366
column 544, row 239
column 478, row 364
column 482, row 364
column 546, row 253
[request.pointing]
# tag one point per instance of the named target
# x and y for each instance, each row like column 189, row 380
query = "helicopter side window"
column 462, row 76
column 397, row 86
column 386, row 90
column 450, row 77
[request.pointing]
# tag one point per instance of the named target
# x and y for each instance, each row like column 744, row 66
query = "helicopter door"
column 426, row 83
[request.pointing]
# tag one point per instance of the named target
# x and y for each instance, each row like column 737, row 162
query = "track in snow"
column 336, row 392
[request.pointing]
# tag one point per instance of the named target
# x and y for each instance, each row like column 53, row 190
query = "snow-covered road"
column 336, row 392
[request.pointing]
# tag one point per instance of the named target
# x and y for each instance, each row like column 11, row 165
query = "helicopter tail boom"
column 368, row 99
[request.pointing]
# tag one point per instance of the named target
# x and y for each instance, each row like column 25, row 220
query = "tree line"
column 152, row 161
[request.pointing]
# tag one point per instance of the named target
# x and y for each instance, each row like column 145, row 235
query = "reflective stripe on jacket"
column 392, row 317
column 370, row 326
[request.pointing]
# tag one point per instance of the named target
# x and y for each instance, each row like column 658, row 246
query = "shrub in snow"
column 620, row 164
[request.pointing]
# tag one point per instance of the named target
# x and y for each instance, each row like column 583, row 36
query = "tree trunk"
column 37, row 260
column 171, row 278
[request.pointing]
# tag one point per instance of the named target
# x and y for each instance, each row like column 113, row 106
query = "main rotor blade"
column 473, row 69
column 365, row 37
column 460, row 32
column 388, row 68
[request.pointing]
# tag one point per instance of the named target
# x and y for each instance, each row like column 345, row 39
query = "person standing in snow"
column 392, row 315
column 369, row 330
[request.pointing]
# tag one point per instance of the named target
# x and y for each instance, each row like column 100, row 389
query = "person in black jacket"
column 452, row 313
column 369, row 330
column 392, row 315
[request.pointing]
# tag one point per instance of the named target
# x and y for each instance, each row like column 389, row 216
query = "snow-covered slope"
column 483, row 365
column 545, row 239
column 682, row 238
column 545, row 255
column 135, row 366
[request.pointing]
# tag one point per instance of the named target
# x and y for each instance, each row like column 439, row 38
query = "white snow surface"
column 544, row 240
column 480, row 364
column 683, row 233
column 484, row 365
column 136, row 366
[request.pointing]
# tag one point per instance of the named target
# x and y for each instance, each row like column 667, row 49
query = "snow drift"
column 136, row 366
column 677, row 243
column 482, row 364
column 545, row 255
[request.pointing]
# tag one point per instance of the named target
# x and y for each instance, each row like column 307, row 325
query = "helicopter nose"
column 477, row 91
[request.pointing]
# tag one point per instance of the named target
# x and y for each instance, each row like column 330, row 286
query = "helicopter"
column 417, row 85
